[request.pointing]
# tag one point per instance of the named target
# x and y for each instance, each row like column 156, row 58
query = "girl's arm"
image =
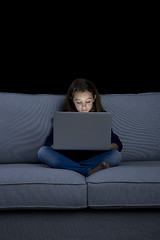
column 116, row 142
column 49, row 139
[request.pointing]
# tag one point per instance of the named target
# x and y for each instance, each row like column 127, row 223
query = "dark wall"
column 123, row 60
column 119, row 71
column 43, row 52
column 119, row 76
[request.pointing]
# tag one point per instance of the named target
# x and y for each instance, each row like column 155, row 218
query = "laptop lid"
column 82, row 131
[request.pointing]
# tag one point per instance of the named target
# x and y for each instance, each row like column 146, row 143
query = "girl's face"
column 83, row 101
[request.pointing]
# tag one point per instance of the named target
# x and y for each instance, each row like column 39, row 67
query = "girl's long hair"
column 82, row 85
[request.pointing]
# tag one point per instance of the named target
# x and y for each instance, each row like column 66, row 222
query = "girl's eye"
column 88, row 101
column 78, row 102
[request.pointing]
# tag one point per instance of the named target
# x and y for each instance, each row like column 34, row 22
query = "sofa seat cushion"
column 36, row 186
column 131, row 184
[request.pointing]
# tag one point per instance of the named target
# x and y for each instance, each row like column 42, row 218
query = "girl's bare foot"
column 101, row 166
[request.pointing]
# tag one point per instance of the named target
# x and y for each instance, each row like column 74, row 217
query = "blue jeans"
column 57, row 160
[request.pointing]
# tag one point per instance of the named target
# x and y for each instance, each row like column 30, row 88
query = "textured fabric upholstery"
column 131, row 184
column 36, row 186
column 25, row 122
column 87, row 224
column 136, row 120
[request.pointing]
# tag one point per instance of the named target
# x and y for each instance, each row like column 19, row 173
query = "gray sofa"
column 37, row 202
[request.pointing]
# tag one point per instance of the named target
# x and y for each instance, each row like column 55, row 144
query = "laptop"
column 82, row 131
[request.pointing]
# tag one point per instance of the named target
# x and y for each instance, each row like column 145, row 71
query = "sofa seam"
column 124, row 182
column 11, row 184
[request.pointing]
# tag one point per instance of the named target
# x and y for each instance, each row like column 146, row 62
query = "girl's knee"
column 42, row 152
column 117, row 157
column 113, row 158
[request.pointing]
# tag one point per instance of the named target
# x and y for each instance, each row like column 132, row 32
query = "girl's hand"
column 114, row 146
column 51, row 146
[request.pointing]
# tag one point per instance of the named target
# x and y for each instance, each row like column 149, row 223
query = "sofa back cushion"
column 25, row 122
column 136, row 120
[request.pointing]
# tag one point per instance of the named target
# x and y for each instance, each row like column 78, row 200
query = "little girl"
column 82, row 96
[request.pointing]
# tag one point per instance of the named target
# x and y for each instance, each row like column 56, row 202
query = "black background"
column 44, row 54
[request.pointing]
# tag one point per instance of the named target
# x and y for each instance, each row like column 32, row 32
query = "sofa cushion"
column 25, row 122
column 131, row 184
column 136, row 120
column 36, row 186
